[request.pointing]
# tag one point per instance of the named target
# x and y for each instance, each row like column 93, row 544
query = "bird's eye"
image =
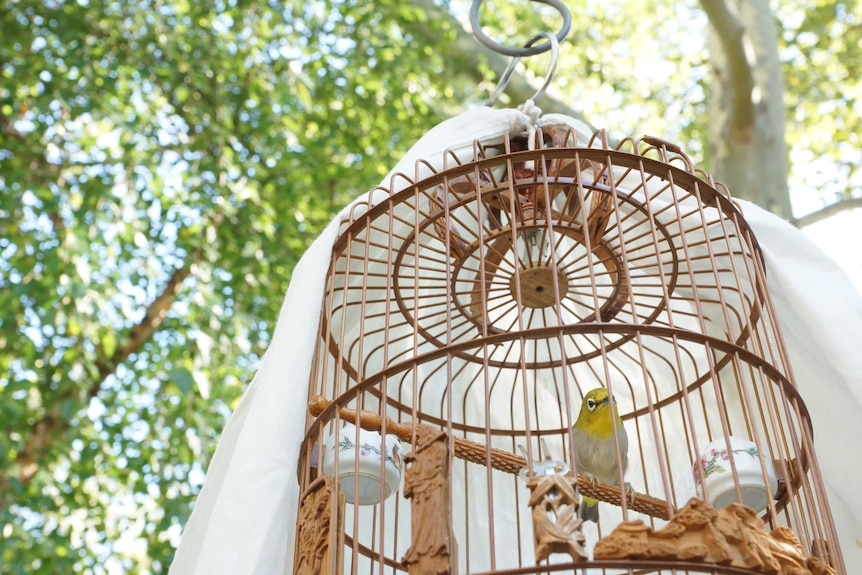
column 591, row 404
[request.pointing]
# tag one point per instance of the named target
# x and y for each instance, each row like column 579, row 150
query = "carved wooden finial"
column 556, row 523
column 426, row 482
column 321, row 513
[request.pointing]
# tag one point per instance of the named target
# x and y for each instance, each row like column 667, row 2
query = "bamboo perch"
column 501, row 460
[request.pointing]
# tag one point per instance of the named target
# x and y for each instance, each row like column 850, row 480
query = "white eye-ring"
column 591, row 404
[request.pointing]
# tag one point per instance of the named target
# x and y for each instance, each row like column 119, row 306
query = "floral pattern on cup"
column 366, row 463
column 711, row 465
column 365, row 449
column 753, row 482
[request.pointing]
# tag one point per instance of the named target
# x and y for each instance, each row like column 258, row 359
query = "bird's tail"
column 589, row 509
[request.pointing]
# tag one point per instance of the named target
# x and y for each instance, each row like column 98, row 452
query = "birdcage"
column 467, row 315
column 545, row 353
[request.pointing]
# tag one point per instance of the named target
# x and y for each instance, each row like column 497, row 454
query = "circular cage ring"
column 528, row 49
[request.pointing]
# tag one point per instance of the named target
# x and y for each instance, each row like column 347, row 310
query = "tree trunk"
column 749, row 152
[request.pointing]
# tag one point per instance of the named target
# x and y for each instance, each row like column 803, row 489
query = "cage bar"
column 473, row 310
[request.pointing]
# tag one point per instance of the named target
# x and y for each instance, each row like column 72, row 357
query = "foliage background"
column 165, row 163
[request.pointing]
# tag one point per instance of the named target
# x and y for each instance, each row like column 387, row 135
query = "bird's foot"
column 630, row 492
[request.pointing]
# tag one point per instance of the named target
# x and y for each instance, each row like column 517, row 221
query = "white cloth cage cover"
column 244, row 517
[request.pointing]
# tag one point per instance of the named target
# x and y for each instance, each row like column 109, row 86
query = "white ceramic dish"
column 719, row 477
column 361, row 459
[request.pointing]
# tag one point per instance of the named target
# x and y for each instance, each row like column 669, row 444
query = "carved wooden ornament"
column 556, row 524
column 734, row 535
column 318, row 534
column 426, row 483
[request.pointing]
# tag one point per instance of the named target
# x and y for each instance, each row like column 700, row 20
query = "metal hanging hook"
column 510, row 69
column 528, row 49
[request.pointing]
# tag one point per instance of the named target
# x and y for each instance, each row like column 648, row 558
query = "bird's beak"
column 605, row 400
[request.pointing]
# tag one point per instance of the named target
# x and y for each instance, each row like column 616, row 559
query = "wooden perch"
column 501, row 460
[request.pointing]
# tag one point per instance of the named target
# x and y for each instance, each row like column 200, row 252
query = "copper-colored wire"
column 654, row 288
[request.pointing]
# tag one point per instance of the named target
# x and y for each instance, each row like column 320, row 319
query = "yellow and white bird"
column 595, row 448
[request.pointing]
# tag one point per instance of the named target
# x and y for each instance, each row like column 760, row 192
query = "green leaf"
column 183, row 379
column 109, row 343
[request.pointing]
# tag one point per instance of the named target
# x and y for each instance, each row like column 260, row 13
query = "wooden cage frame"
column 467, row 313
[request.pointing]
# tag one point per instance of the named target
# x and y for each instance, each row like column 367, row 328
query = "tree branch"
column 740, row 83
column 45, row 430
column 7, row 127
column 827, row 212
column 141, row 333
